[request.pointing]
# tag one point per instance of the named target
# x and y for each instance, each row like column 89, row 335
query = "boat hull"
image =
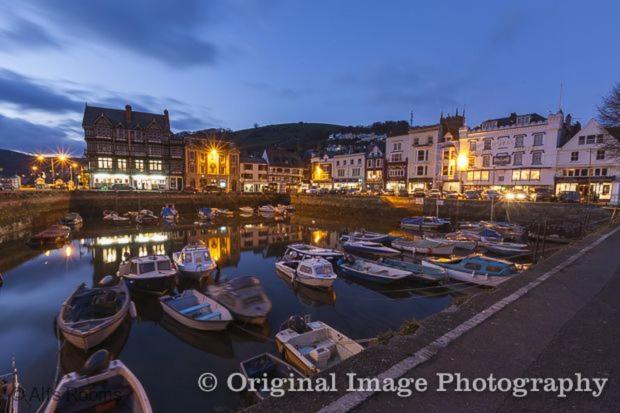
column 471, row 278
column 370, row 251
column 368, row 277
column 215, row 325
column 88, row 341
column 151, row 285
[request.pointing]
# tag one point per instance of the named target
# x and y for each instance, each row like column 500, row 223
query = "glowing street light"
column 462, row 162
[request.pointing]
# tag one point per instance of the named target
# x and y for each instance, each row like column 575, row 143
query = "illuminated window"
column 104, row 163
column 139, row 165
column 155, row 165
column 121, row 164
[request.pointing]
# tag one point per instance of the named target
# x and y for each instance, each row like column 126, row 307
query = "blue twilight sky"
column 233, row 63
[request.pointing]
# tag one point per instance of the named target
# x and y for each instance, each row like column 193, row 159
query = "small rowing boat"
column 267, row 367
column 418, row 272
column 475, row 269
column 245, row 299
column 195, row 310
column 373, row 271
column 369, row 248
column 423, row 246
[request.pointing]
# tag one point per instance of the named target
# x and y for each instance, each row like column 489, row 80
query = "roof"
column 512, row 120
column 252, row 159
column 614, row 131
column 117, row 116
column 281, row 157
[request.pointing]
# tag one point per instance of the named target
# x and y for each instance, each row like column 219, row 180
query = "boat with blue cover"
column 269, row 367
column 425, row 223
column 205, row 213
column 475, row 269
column 418, row 272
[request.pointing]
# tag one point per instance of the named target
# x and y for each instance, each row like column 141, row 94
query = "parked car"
column 472, row 195
column 569, row 196
column 517, row 196
column 212, row 189
column 543, row 194
column 451, row 195
column 419, row 193
column 492, row 194
column 434, row 194
column 121, row 187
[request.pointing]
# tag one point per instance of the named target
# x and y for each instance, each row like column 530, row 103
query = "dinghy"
column 114, row 218
column 423, row 246
column 223, row 212
column 365, row 236
column 244, row 298
column 147, row 219
column 195, row 310
column 90, row 315
column 246, row 210
column 72, row 219
column 169, row 213
column 315, row 347
column 11, row 392
column 267, row 367
column 424, row 223
column 372, row 270
column 505, row 248
column 459, row 240
column 418, row 272
column 298, row 251
column 313, row 272
column 369, row 248
column 152, row 274
column 267, row 209
column 194, row 261
column 477, row 235
column 102, row 385
column 475, row 269
column 54, row 235
column 205, row 213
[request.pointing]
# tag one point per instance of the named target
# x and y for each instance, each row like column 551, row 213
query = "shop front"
column 420, row 183
column 102, row 180
column 596, row 189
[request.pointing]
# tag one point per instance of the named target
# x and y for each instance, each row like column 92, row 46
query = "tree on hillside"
column 609, row 117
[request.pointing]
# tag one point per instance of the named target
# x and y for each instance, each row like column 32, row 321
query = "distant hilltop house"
column 362, row 137
column 10, row 183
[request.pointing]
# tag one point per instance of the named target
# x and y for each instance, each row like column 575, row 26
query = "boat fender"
column 132, row 310
column 96, row 363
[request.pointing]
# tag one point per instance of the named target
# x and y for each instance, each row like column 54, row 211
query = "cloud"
column 19, row 134
column 170, row 33
column 278, row 91
column 24, row 33
column 30, row 94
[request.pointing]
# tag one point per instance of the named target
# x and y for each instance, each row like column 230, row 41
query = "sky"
column 236, row 63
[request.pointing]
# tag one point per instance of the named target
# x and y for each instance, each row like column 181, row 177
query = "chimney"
column 166, row 118
column 128, row 113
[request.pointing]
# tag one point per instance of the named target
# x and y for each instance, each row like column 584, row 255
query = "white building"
column 518, row 151
column 422, row 156
column 584, row 164
column 398, row 150
column 339, row 171
column 254, row 173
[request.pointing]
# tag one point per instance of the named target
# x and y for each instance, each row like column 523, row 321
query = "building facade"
column 132, row 148
column 586, row 164
column 515, row 152
column 375, row 168
column 211, row 164
column 254, row 174
column 286, row 170
column 398, row 150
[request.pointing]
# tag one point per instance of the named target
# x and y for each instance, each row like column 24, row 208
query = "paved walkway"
column 570, row 323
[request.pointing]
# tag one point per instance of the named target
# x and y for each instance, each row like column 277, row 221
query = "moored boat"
column 418, row 271
column 151, row 274
column 90, row 315
column 475, row 269
column 169, row 213
column 205, row 213
column 373, row 271
column 298, row 251
column 194, row 261
column 423, row 246
column 246, row 210
column 72, row 219
column 315, row 347
column 269, row 367
column 195, row 310
column 313, row 272
column 505, row 248
column 223, row 212
column 460, row 240
column 102, row 385
column 244, row 298
column 147, row 220
column 268, row 209
column 425, row 223
column 369, row 248
column 365, row 236
column 54, row 235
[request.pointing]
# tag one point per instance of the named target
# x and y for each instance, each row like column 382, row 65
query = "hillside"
column 14, row 163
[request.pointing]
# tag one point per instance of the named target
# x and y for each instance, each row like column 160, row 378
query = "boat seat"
column 189, row 310
column 305, row 350
column 209, row 316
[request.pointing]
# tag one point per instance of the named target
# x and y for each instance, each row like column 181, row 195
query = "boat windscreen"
column 323, row 269
column 147, row 267
column 163, row 265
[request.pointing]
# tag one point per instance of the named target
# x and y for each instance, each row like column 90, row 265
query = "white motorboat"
column 90, row 315
column 150, row 274
column 313, row 272
column 369, row 248
column 372, row 271
column 246, row 210
column 298, row 251
column 424, row 223
column 102, row 385
column 195, row 310
column 194, row 261
column 460, row 241
column 245, row 299
column 423, row 246
column 116, row 219
column 315, row 347
column 267, row 209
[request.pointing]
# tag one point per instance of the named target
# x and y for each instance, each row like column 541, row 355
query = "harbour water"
column 169, row 358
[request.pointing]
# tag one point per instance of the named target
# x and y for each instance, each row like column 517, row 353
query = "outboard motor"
column 296, row 323
column 96, row 363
